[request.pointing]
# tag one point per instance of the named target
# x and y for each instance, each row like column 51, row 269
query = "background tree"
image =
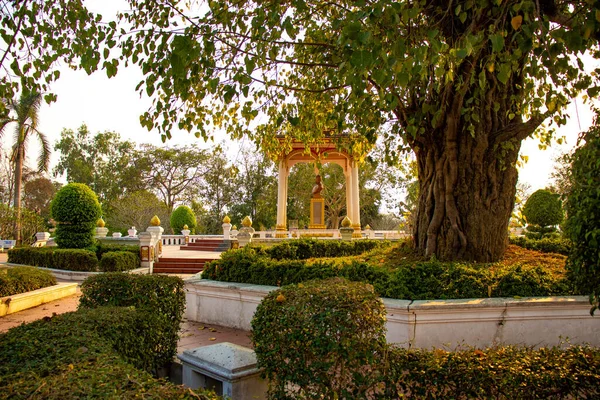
column 135, row 209
column 25, row 120
column 256, row 190
column 31, row 223
column 462, row 83
column 217, row 189
column 37, row 36
column 104, row 162
column 583, row 219
column 172, row 172
column 37, row 194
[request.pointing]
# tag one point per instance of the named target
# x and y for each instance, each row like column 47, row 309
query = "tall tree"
column 217, row 188
column 256, row 190
column 172, row 172
column 37, row 194
column 463, row 83
column 104, row 162
column 24, row 117
column 136, row 209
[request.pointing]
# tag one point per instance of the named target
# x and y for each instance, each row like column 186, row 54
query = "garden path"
column 192, row 334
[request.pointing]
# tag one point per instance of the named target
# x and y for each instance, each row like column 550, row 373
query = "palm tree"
column 24, row 115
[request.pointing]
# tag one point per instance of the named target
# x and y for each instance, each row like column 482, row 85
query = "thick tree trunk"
column 18, row 189
column 466, row 199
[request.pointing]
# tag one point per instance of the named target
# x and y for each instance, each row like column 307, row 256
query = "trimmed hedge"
column 49, row 257
column 118, row 261
column 418, row 280
column 319, row 338
column 88, row 354
column 102, row 248
column 162, row 295
column 509, row 372
column 78, row 259
column 24, row 279
column 546, row 245
column 304, row 249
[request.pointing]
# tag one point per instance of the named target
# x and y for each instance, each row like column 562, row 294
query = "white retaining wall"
column 450, row 324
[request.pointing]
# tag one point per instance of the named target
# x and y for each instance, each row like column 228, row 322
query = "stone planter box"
column 23, row 301
column 534, row 321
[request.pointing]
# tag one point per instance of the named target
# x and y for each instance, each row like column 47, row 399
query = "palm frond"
column 44, row 157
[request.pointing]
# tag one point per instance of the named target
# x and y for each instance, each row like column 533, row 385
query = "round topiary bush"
column 320, row 338
column 183, row 215
column 543, row 208
column 75, row 209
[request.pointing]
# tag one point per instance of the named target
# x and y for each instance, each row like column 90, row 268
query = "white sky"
column 113, row 105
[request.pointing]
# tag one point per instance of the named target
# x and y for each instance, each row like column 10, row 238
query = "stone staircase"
column 180, row 265
column 190, row 265
column 207, row 245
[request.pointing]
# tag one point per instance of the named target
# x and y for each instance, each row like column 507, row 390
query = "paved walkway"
column 192, row 334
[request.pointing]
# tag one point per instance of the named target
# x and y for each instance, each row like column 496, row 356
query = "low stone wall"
column 450, row 324
column 23, row 301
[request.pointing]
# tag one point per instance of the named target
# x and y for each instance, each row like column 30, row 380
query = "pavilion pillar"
column 282, row 196
column 349, row 203
column 355, row 201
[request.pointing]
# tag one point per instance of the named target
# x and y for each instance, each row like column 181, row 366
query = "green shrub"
column 545, row 245
column 497, row 373
column 163, row 295
column 319, row 338
column 543, row 208
column 303, row 249
column 418, row 280
column 87, row 354
column 103, row 247
column 76, row 210
column 183, row 215
column 117, row 261
column 24, row 279
column 583, row 223
column 49, row 257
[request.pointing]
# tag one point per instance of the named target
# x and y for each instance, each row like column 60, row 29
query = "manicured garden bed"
column 123, row 333
column 396, row 271
column 101, row 257
column 23, row 279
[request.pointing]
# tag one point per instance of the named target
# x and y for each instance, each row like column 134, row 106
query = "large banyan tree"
column 462, row 83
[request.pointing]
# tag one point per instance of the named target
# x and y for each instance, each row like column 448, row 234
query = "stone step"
column 180, row 265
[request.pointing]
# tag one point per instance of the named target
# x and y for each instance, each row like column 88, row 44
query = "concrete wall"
column 450, row 324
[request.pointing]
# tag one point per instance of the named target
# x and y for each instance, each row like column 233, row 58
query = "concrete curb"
column 23, row 301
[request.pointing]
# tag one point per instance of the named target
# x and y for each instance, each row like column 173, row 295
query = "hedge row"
column 419, row 280
column 162, row 295
column 96, row 353
column 508, row 372
column 546, row 245
column 48, row 257
column 78, row 259
column 303, row 249
column 23, row 279
column 326, row 340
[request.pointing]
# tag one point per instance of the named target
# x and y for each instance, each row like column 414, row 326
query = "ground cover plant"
column 326, row 339
column 23, row 279
column 396, row 271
